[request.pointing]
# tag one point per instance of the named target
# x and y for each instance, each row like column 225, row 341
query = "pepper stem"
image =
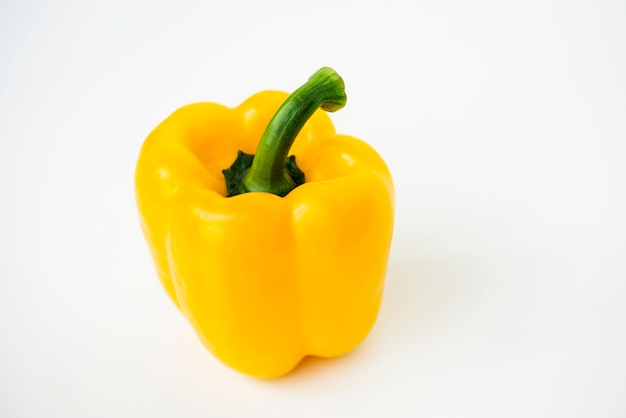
column 324, row 89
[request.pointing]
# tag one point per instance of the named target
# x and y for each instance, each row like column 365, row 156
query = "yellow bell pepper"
column 290, row 260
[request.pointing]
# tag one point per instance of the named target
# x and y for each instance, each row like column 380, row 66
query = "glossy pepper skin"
column 266, row 280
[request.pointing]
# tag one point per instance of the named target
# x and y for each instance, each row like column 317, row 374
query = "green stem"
column 324, row 89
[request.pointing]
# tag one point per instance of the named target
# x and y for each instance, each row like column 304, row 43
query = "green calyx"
column 236, row 173
column 270, row 170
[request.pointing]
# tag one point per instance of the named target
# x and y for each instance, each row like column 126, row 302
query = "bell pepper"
column 275, row 256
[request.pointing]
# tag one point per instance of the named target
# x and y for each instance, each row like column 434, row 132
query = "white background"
column 504, row 125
